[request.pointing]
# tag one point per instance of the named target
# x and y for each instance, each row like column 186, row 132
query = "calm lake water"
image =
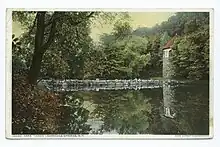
column 169, row 110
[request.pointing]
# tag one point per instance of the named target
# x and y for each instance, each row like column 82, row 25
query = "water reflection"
column 167, row 110
column 168, row 98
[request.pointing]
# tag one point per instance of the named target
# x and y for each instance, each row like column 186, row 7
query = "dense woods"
column 67, row 50
column 57, row 45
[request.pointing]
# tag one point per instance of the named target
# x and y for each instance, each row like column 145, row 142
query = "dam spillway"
column 96, row 85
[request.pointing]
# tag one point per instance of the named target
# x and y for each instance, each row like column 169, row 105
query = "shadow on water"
column 144, row 111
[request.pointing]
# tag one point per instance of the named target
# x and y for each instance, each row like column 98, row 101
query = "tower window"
column 166, row 53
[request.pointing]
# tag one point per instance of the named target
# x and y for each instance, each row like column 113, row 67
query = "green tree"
column 191, row 56
column 46, row 31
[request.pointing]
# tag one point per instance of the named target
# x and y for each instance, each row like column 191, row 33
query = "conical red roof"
column 169, row 43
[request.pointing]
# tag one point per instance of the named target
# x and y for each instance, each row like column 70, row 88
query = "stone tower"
column 167, row 67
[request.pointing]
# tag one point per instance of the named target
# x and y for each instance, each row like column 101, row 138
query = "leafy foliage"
column 74, row 116
column 191, row 53
column 123, row 55
column 34, row 111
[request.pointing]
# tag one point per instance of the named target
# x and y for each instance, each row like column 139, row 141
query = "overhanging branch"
column 88, row 16
column 53, row 28
column 74, row 23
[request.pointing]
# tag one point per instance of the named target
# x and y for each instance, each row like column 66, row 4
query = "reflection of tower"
column 168, row 95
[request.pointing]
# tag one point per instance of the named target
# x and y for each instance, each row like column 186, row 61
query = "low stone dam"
column 96, row 85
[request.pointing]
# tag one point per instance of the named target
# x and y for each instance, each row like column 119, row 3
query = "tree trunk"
column 35, row 68
column 38, row 50
column 41, row 45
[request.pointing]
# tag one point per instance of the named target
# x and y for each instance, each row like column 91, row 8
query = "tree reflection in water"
column 142, row 111
column 127, row 112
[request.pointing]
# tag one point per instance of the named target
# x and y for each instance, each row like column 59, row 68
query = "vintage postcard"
column 109, row 73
